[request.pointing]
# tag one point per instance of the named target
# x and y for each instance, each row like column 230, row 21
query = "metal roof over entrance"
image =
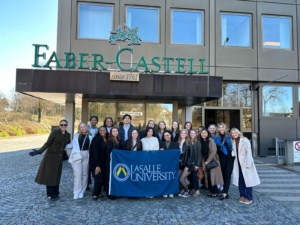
column 65, row 86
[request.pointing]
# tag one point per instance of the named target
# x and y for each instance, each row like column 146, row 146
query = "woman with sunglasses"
column 50, row 169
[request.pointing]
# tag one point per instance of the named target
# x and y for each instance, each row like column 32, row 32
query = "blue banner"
column 142, row 173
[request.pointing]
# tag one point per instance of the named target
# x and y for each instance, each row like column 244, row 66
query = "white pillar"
column 188, row 113
column 70, row 117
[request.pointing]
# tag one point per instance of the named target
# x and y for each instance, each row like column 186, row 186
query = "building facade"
column 204, row 61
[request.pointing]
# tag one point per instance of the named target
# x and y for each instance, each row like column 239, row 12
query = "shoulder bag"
column 212, row 164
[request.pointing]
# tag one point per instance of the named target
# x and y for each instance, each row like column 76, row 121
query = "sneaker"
column 165, row 196
column 247, row 202
column 171, row 196
column 80, row 195
column 186, row 194
column 75, row 197
column 241, row 200
column 181, row 193
column 51, row 198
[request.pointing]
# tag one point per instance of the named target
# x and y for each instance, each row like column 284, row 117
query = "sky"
column 23, row 23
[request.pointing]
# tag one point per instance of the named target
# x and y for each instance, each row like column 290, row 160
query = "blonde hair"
column 187, row 139
column 225, row 129
column 238, row 132
column 87, row 130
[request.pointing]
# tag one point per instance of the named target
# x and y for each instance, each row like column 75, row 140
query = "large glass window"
column 245, row 95
column 277, row 101
column 95, row 21
column 147, row 21
column 187, row 27
column 159, row 112
column 230, row 94
column 276, row 32
column 102, row 110
column 236, row 30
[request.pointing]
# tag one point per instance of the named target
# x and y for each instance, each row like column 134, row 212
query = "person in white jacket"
column 244, row 171
column 81, row 143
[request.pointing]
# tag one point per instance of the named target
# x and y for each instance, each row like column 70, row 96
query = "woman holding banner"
column 134, row 143
column 149, row 142
column 113, row 143
column 168, row 144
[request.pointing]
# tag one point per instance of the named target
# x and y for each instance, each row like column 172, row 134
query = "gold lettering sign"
column 125, row 76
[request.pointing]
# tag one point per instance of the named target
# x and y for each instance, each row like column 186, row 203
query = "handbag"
column 211, row 164
column 65, row 156
column 76, row 156
column 200, row 173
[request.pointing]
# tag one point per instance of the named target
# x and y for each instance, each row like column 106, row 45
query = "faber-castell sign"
column 96, row 61
column 124, row 76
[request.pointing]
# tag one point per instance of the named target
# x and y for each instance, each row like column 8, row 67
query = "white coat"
column 75, row 146
column 247, row 164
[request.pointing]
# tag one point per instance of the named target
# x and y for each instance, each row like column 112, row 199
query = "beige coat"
column 247, row 164
column 215, row 173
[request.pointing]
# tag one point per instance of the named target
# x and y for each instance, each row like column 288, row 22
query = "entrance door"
column 231, row 117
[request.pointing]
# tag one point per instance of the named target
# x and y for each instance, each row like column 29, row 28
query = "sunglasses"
column 63, row 125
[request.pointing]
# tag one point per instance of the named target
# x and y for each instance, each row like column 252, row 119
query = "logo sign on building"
column 125, row 76
column 142, row 173
column 296, row 145
column 127, row 34
column 122, row 113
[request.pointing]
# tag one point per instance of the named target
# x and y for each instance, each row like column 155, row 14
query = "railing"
column 280, row 150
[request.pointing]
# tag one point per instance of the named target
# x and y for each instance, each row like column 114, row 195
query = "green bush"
column 4, row 134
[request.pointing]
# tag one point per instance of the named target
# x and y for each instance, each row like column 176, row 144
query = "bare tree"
column 3, row 102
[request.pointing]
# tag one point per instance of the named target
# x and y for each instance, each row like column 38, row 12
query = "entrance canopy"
column 64, row 86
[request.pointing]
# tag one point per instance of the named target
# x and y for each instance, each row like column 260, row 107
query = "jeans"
column 245, row 192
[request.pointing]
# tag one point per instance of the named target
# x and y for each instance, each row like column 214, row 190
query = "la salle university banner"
column 141, row 173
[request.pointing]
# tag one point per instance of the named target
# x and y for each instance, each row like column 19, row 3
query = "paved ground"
column 22, row 201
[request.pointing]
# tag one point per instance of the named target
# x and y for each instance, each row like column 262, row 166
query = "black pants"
column 97, row 183
column 226, row 167
column 52, row 191
column 195, row 180
column 212, row 189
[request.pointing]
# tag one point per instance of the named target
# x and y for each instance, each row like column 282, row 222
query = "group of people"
column 208, row 157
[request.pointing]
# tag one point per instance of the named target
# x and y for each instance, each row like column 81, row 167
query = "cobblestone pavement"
column 22, row 201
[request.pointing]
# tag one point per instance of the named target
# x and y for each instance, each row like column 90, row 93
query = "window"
column 187, row 27
column 236, row 30
column 147, row 21
column 277, row 101
column 95, row 21
column 276, row 32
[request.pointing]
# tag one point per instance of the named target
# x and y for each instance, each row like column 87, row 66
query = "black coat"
column 97, row 153
column 49, row 172
column 110, row 146
column 173, row 145
column 129, row 146
column 122, row 135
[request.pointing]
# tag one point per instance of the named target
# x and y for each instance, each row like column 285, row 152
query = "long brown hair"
column 111, row 137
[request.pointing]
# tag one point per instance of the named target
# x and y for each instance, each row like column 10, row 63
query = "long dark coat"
column 49, row 172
